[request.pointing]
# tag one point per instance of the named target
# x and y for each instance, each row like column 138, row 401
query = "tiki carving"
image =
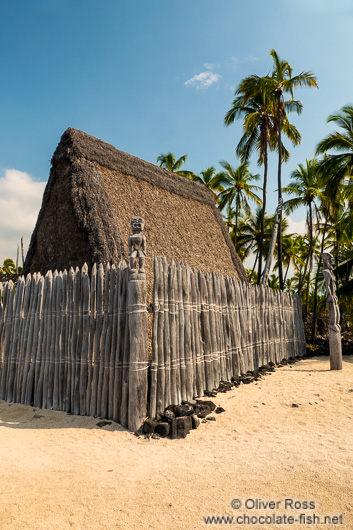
column 137, row 245
column 334, row 313
column 332, row 302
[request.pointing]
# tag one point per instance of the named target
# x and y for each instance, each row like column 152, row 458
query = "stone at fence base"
column 204, row 412
column 168, row 415
column 184, row 426
column 162, row 429
column 184, row 410
column 149, row 426
column 174, row 429
column 195, row 421
column 208, row 404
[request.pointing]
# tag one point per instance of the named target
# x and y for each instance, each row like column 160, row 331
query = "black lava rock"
column 162, row 429
column 168, row 415
column 209, row 404
column 195, row 421
column 204, row 412
column 184, row 410
column 174, row 429
column 149, row 426
column 184, row 426
column 103, row 423
column 219, row 410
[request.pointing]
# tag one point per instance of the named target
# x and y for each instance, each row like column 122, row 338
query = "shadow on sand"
column 16, row 416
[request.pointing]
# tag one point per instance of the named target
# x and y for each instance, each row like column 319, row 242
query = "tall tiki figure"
column 334, row 313
column 137, row 245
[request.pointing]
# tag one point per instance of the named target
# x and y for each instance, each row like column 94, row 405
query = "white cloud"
column 210, row 66
column 296, row 227
column 20, row 201
column 203, row 80
column 242, row 60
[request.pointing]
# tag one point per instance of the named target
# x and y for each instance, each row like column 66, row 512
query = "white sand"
column 62, row 471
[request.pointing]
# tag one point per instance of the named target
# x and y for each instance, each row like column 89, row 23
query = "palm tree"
column 258, row 106
column 257, row 125
column 290, row 253
column 249, row 236
column 169, row 162
column 9, row 267
column 305, row 185
column 336, row 167
column 236, row 189
column 281, row 81
column 206, row 178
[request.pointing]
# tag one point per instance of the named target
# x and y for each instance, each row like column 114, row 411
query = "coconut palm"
column 257, row 125
column 206, row 178
column 305, row 186
column 9, row 267
column 290, row 254
column 257, row 105
column 173, row 165
column 249, row 236
column 237, row 189
column 278, row 83
column 337, row 166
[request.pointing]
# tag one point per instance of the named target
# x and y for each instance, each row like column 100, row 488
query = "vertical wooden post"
column 138, row 330
column 137, row 298
column 22, row 252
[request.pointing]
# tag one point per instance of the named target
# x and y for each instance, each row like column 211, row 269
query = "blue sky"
column 151, row 77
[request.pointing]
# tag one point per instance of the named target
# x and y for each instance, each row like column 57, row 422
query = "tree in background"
column 281, row 82
column 259, row 100
column 250, row 236
column 338, row 166
column 9, row 267
column 257, row 113
column 237, row 189
column 173, row 165
column 305, row 186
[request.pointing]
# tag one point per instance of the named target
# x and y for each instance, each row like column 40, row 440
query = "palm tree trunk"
column 287, row 269
column 308, row 287
column 253, row 269
column 302, row 281
column 313, row 329
column 279, row 235
column 272, row 247
column 263, row 215
column 236, row 222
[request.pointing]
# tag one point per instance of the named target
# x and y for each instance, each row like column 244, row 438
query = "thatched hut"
column 92, row 193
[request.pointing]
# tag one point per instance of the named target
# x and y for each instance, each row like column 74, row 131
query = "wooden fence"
column 207, row 328
column 64, row 341
column 78, row 343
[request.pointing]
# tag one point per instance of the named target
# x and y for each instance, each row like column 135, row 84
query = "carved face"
column 137, row 224
column 327, row 260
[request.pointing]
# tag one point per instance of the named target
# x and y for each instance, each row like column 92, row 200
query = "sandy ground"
column 60, row 471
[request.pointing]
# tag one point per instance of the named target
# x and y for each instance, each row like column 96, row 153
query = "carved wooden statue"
column 334, row 313
column 137, row 245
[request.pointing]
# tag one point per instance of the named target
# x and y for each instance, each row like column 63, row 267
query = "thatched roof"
column 95, row 189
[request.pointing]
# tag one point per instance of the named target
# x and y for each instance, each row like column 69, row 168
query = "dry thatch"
column 92, row 193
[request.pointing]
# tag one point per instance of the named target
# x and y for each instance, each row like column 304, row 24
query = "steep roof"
column 93, row 191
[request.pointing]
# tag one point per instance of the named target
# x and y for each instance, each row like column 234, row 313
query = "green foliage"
column 173, row 165
column 9, row 267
